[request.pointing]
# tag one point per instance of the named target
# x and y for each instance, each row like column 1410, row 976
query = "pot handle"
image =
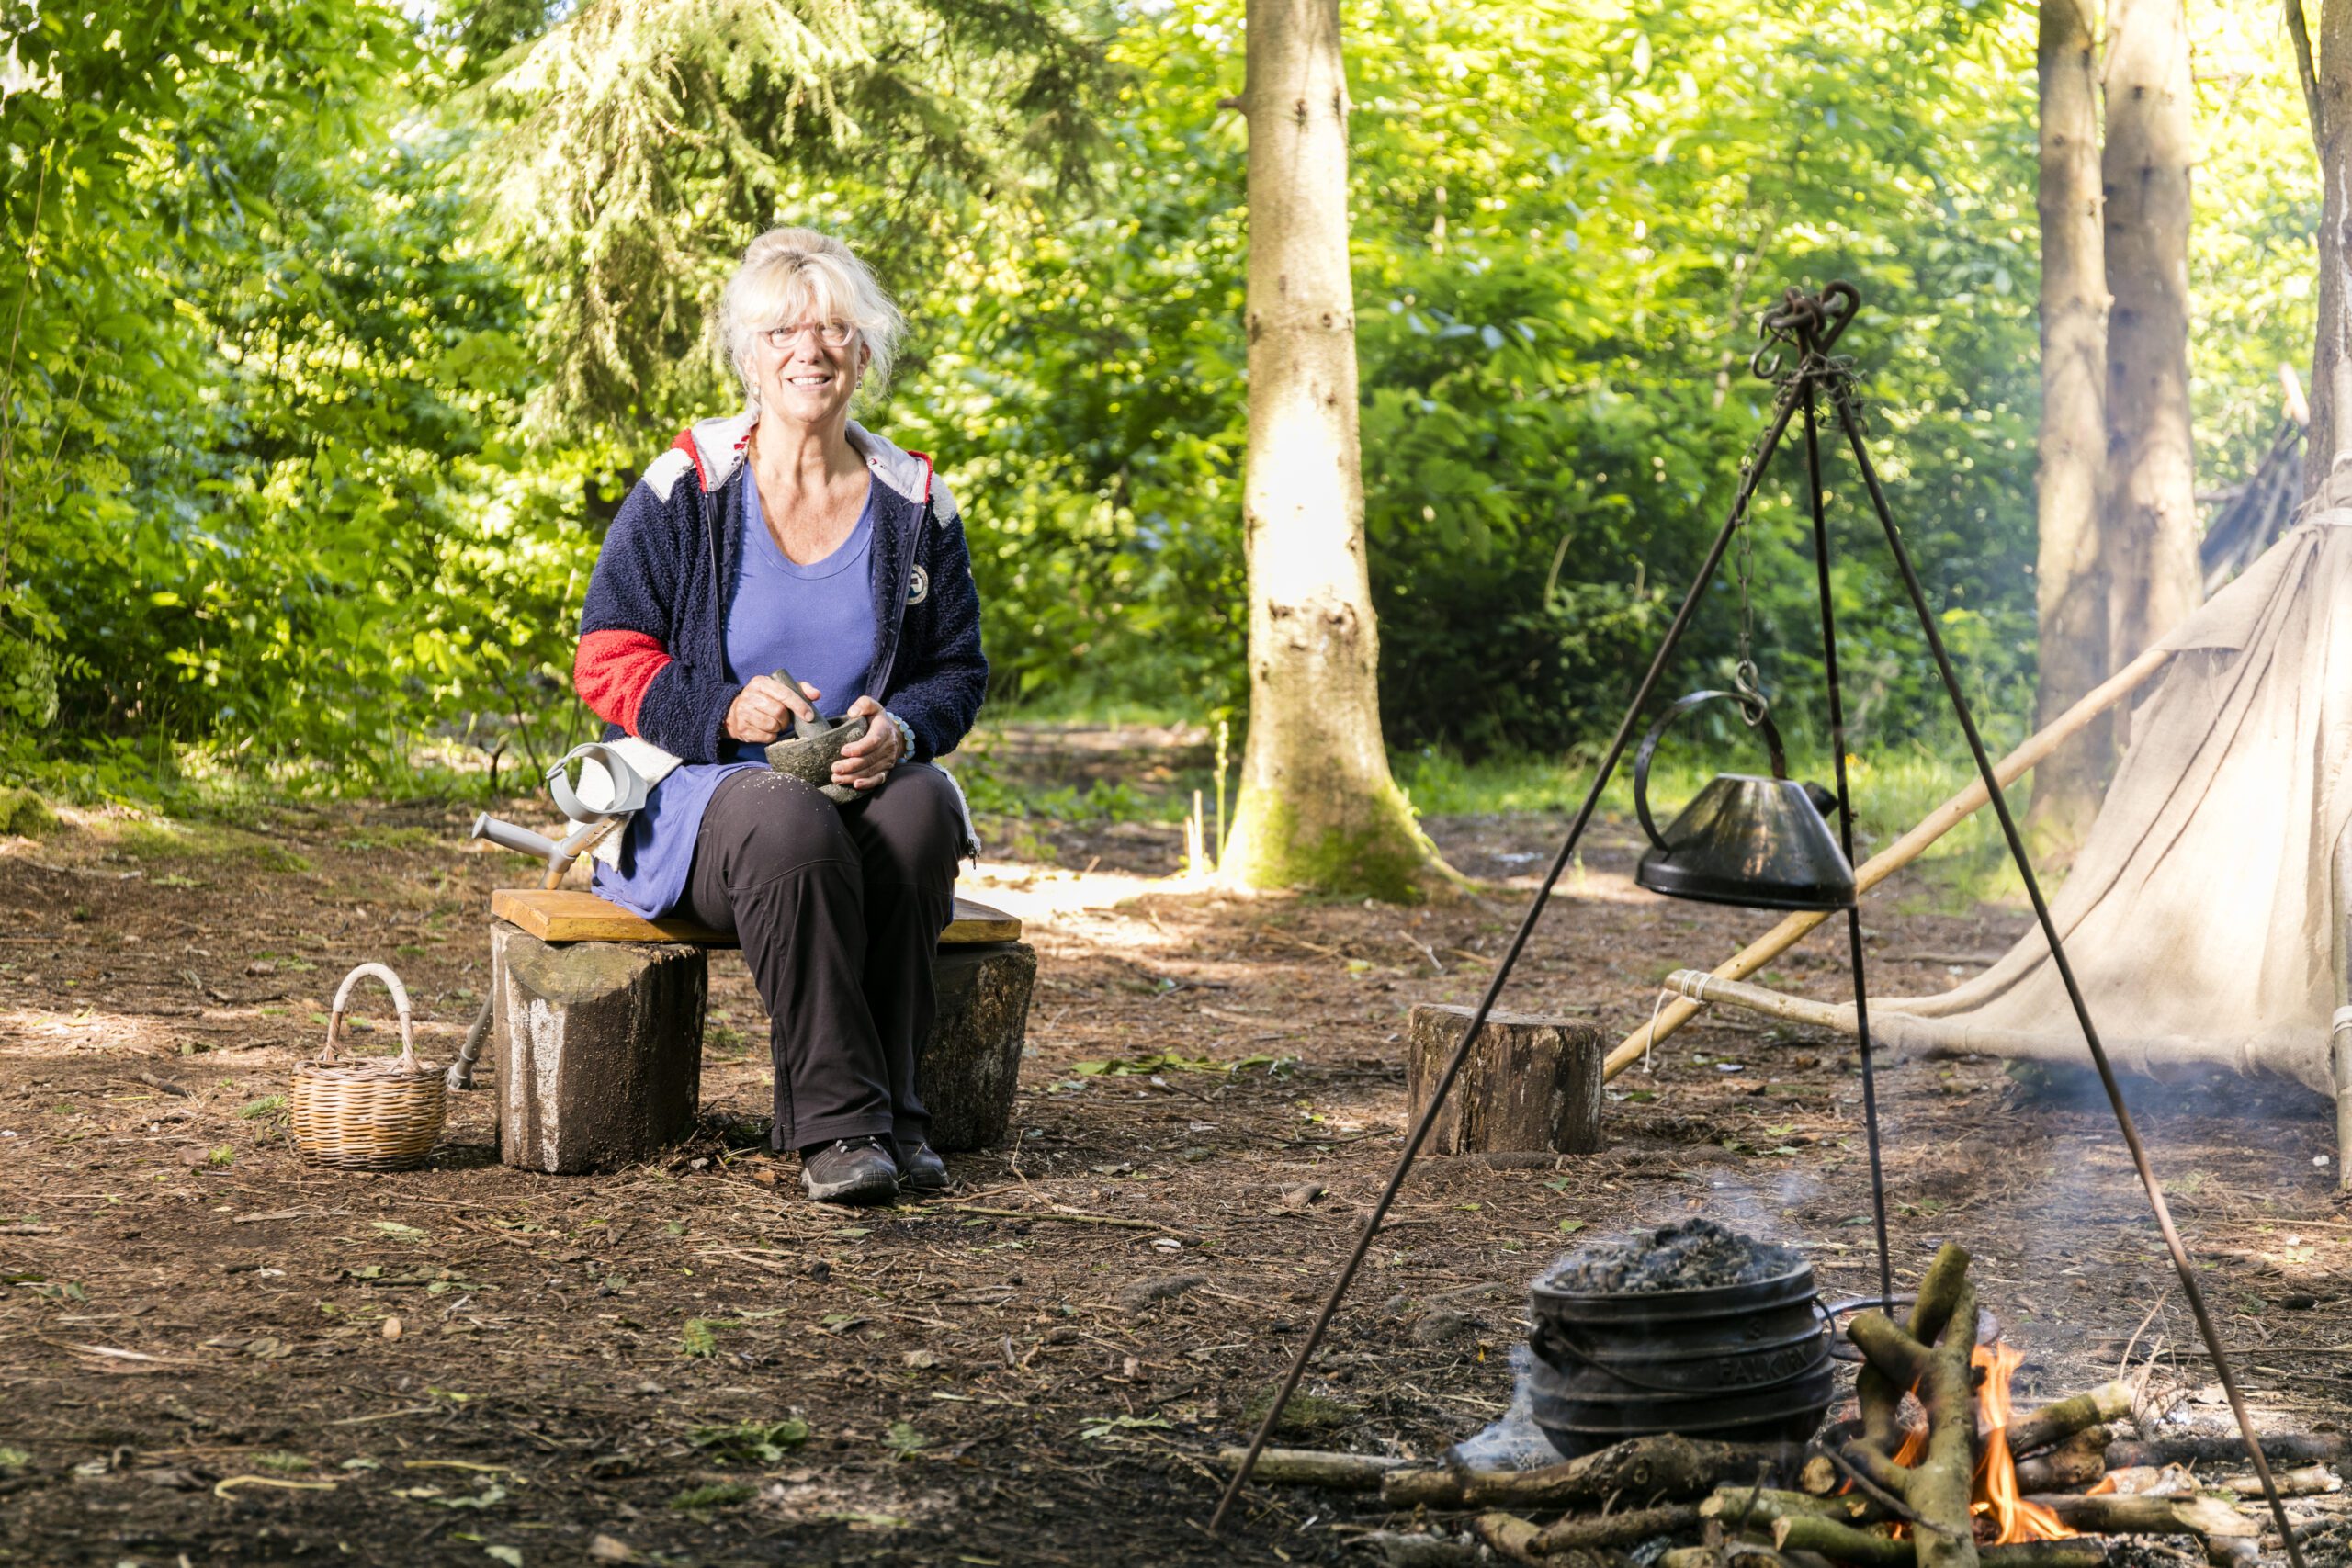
column 1763, row 721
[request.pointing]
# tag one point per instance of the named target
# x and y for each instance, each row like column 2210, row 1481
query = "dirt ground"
column 686, row 1360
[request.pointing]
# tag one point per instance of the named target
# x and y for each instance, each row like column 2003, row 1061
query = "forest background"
column 319, row 388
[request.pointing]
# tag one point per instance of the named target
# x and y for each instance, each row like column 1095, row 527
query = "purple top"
column 815, row 620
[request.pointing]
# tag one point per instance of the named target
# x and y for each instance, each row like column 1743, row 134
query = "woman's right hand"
column 765, row 706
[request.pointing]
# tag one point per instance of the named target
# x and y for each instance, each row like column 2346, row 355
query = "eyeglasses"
column 833, row 335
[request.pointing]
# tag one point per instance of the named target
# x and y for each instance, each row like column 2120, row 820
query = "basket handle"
column 400, row 1000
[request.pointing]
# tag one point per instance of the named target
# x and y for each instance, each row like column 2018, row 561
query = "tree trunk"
column 2072, row 585
column 1317, row 807
column 2151, row 528
column 2331, row 428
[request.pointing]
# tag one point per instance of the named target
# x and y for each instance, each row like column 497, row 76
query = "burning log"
column 1509, row 1535
column 1411, row 1548
column 1734, row 1554
column 2227, row 1535
column 2077, row 1461
column 1763, row 1505
column 1640, row 1468
column 1627, row 1528
column 1315, row 1467
column 2304, row 1481
column 1866, row 1549
column 2174, row 1481
column 2316, row 1448
column 2055, row 1423
column 1931, row 1359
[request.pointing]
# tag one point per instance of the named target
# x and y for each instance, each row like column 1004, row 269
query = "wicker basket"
column 374, row 1115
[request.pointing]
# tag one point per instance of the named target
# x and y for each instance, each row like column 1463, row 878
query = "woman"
column 786, row 537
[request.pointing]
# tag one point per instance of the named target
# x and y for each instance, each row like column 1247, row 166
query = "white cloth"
column 2205, row 916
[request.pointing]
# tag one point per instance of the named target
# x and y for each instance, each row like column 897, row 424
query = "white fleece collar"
column 720, row 444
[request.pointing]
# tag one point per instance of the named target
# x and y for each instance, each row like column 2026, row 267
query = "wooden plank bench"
column 597, row 1018
column 573, row 914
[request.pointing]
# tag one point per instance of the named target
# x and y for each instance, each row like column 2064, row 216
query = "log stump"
column 1531, row 1083
column 597, row 1047
column 966, row 1073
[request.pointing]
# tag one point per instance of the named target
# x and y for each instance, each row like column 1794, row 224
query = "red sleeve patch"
column 612, row 671
column 685, row 443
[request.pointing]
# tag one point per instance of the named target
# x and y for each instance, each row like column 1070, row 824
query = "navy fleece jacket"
column 652, row 658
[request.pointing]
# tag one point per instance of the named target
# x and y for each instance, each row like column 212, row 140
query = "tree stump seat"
column 597, row 1018
column 1531, row 1084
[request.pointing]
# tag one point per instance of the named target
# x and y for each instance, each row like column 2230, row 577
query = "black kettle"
column 1761, row 844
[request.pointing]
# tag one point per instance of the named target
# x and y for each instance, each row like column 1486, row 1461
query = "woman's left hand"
column 868, row 760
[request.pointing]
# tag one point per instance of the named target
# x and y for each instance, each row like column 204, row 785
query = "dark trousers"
column 839, row 909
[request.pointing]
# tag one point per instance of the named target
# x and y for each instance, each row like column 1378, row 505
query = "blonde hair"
column 791, row 275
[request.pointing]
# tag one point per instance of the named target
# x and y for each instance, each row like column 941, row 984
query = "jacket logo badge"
column 918, row 586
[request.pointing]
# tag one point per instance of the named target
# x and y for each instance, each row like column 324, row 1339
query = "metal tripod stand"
column 1807, row 326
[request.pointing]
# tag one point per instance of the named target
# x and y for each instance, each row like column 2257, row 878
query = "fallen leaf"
column 222, row 1487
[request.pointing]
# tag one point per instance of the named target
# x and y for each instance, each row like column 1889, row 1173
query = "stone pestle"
column 810, row 752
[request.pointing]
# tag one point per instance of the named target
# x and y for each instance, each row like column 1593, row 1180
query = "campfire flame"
column 1997, row 1473
column 1997, row 1499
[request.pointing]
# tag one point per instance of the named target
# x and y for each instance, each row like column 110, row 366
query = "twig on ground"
column 1066, row 1216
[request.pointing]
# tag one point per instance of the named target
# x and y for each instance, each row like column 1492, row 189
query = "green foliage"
column 643, row 144
column 23, row 812
column 1557, row 275
column 253, row 460
column 752, row 1443
column 1566, row 216
column 340, row 330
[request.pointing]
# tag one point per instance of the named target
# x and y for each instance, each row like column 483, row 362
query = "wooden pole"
column 1898, row 855
column 1703, row 987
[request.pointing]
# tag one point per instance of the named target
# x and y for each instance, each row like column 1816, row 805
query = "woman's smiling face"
column 804, row 378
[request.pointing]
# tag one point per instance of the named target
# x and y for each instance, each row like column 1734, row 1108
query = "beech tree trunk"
column 2330, row 437
column 2151, row 526
column 1317, row 807
column 2071, row 584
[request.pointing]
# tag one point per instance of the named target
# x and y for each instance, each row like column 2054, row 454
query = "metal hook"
column 1746, row 685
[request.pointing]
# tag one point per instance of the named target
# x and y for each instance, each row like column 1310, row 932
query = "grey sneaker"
column 853, row 1170
column 920, row 1170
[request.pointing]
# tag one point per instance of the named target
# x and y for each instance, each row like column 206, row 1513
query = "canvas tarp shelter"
column 2205, row 916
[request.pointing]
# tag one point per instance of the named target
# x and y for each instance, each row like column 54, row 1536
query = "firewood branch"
column 1931, row 1360
column 1898, row 1359
column 1881, row 1396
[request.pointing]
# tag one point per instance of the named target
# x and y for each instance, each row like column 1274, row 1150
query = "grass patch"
column 1306, row 1413
column 26, row 815
column 387, row 838
column 163, row 839
column 752, row 1443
